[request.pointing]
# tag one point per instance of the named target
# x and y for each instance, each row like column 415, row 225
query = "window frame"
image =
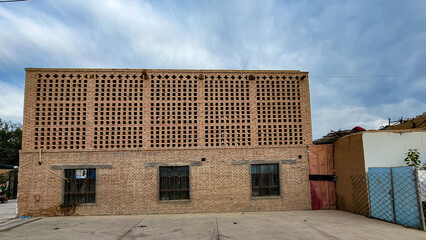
column 278, row 172
column 89, row 170
column 159, row 189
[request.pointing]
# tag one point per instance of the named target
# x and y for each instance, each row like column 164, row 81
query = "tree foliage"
column 413, row 159
column 10, row 142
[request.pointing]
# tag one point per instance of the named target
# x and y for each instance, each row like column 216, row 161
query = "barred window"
column 174, row 183
column 265, row 180
column 80, row 186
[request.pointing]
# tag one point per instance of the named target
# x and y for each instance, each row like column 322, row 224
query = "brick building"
column 146, row 141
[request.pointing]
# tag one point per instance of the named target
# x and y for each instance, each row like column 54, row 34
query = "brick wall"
column 134, row 121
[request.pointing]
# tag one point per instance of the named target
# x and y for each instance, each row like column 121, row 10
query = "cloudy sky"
column 326, row 38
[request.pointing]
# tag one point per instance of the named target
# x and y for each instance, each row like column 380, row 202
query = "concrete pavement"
column 8, row 218
column 8, row 210
column 253, row 225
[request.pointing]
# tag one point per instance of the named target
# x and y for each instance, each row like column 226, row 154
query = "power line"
column 1, row 1
column 371, row 76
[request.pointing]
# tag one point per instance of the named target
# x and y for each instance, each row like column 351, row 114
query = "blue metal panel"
column 406, row 201
column 380, row 192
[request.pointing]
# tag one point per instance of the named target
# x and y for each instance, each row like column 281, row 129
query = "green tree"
column 413, row 159
column 10, row 142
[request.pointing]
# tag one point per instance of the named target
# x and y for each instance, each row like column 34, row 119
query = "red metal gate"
column 321, row 176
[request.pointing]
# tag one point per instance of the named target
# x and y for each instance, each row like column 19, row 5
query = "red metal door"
column 322, row 178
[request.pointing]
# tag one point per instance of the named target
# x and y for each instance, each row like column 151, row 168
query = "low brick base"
column 127, row 181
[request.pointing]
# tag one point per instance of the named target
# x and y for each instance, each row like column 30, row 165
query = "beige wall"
column 351, row 185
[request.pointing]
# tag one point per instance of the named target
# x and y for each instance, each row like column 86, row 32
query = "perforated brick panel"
column 227, row 110
column 118, row 111
column 173, row 111
column 76, row 109
column 60, row 111
column 279, row 110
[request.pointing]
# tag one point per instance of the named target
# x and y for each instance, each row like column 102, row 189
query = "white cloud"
column 346, row 117
column 11, row 102
column 344, row 38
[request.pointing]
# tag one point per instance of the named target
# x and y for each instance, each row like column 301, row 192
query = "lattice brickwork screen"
column 279, row 110
column 139, row 109
column 60, row 111
column 227, row 110
column 118, row 115
column 173, row 111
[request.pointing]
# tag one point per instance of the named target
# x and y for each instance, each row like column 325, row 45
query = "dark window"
column 174, row 183
column 80, row 187
column 265, row 180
